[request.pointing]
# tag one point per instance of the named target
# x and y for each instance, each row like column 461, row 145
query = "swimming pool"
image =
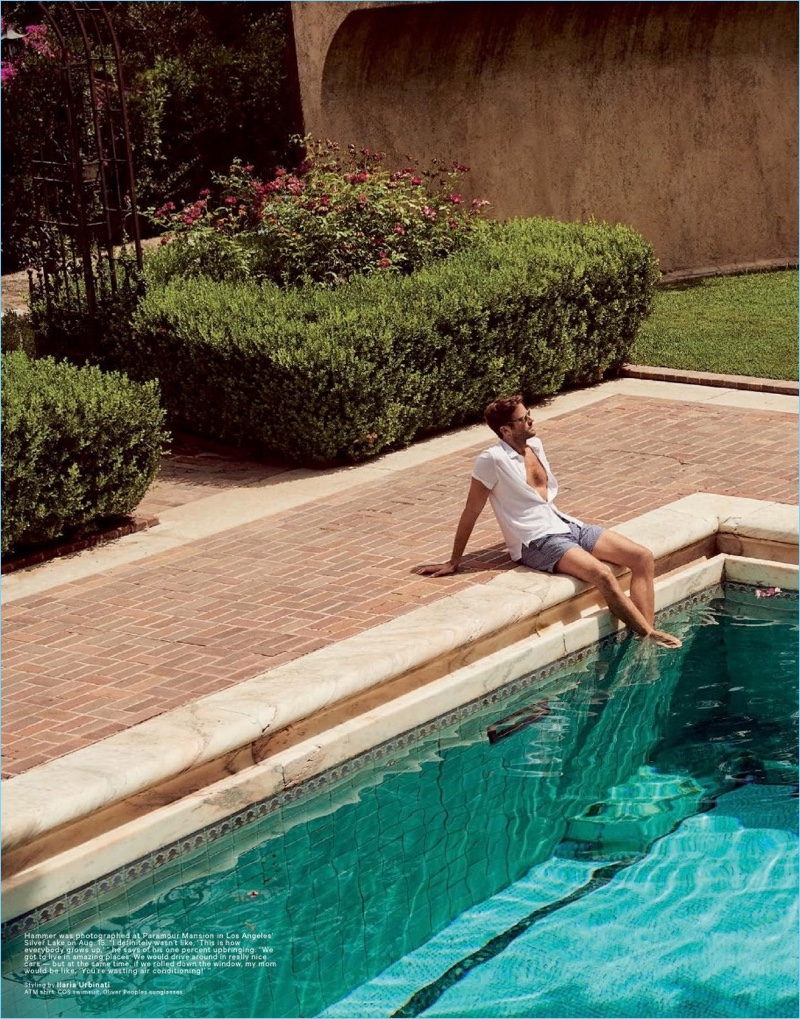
column 629, row 849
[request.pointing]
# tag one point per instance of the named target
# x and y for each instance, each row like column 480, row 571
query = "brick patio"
column 95, row 656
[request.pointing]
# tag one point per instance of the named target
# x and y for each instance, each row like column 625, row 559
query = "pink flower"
column 7, row 72
column 452, row 224
column 231, row 200
column 205, row 193
column 399, row 229
column 455, row 199
column 428, row 212
column 416, row 180
column 36, row 38
column 384, row 263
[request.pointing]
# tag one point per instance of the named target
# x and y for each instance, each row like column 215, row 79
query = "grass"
column 732, row 325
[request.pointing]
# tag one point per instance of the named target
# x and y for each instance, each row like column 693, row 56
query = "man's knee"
column 603, row 577
column 645, row 559
column 641, row 559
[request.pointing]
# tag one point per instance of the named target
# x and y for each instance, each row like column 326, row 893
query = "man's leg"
column 621, row 551
column 581, row 564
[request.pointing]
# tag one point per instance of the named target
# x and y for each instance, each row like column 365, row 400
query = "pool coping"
column 180, row 762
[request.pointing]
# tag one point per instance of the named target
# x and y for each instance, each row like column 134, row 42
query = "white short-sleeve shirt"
column 523, row 515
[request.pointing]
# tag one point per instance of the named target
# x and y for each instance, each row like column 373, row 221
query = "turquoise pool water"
column 630, row 851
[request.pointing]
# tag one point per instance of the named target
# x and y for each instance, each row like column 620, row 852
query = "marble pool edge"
column 445, row 625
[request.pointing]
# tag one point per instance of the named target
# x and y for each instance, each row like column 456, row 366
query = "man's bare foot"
column 664, row 639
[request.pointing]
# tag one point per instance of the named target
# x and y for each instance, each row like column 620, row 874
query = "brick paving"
column 197, row 468
column 101, row 654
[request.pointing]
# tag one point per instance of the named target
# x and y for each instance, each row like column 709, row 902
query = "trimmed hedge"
column 323, row 375
column 78, row 445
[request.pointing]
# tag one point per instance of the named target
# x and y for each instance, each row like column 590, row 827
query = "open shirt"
column 523, row 515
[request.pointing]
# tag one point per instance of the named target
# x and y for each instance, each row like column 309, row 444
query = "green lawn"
column 733, row 325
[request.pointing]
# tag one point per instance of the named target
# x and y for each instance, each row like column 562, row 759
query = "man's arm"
column 476, row 500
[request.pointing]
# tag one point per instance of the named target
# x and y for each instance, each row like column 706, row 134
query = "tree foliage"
column 205, row 82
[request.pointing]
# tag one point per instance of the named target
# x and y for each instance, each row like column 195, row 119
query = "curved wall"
column 679, row 118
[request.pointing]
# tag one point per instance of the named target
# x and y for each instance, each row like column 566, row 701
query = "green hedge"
column 78, row 445
column 323, row 375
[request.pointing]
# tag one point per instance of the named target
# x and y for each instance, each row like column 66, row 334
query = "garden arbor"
column 83, row 189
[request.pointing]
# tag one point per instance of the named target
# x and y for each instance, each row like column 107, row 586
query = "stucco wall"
column 316, row 22
column 679, row 118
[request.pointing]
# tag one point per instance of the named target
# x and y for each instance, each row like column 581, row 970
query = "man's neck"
column 518, row 448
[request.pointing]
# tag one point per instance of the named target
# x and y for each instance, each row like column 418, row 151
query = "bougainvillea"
column 34, row 40
column 31, row 90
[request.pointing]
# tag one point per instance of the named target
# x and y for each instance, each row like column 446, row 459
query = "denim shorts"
column 544, row 553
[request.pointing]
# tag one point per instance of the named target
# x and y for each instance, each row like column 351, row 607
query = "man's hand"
column 437, row 570
column 476, row 500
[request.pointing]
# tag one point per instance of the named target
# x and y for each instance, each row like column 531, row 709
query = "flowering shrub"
column 335, row 217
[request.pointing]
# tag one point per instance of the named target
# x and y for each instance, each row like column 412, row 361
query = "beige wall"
column 679, row 118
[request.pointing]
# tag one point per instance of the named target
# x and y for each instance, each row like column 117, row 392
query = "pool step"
column 746, row 844
column 624, row 824
column 678, row 924
column 544, row 885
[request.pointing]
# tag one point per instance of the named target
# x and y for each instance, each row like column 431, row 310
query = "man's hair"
column 499, row 412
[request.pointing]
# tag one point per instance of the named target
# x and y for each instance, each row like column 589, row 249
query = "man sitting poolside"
column 515, row 477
